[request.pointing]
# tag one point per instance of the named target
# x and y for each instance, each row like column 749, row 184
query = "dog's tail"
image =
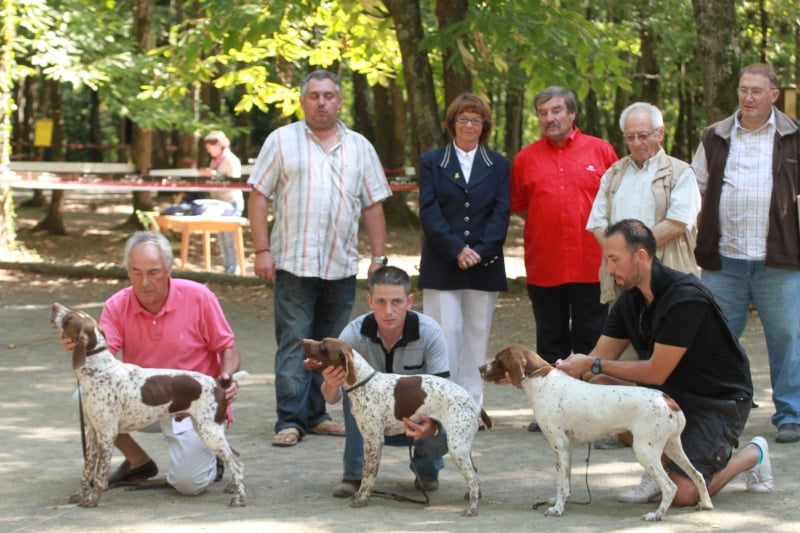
column 237, row 376
column 486, row 420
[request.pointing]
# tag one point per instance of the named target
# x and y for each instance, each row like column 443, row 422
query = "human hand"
column 468, row 258
column 233, row 389
column 334, row 376
column 424, row 428
column 69, row 344
column 575, row 365
column 264, row 265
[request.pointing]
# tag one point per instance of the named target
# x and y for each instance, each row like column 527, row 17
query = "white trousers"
column 193, row 466
column 466, row 319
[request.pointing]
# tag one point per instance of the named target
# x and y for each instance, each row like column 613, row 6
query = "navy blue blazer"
column 455, row 213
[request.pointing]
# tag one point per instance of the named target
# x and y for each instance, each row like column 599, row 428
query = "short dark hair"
column 550, row 92
column 390, row 275
column 473, row 103
column 636, row 234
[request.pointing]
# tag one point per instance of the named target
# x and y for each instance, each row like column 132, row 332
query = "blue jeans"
column 776, row 293
column 305, row 308
column 427, row 457
column 227, row 245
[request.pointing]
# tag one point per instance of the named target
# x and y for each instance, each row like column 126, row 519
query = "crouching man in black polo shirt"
column 687, row 350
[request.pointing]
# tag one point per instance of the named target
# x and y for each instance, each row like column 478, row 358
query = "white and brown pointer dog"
column 380, row 401
column 120, row 398
column 570, row 411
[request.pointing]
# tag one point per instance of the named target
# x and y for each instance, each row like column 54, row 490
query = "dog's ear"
column 517, row 371
column 346, row 357
column 79, row 351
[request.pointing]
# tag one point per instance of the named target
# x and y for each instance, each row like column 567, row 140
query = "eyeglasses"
column 633, row 137
column 744, row 92
column 475, row 121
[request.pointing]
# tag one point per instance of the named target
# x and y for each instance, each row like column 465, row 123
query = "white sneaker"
column 646, row 491
column 759, row 478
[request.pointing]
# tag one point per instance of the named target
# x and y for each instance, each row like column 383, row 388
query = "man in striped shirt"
column 322, row 177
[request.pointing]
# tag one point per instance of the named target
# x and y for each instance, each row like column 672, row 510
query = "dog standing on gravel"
column 570, row 411
column 380, row 401
column 120, row 398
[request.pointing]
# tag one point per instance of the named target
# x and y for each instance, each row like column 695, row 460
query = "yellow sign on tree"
column 43, row 132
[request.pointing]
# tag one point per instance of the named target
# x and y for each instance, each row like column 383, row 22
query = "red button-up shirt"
column 555, row 186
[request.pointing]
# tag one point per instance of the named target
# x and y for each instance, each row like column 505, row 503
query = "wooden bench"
column 187, row 224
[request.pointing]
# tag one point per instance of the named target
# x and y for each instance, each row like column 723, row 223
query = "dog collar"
column 357, row 385
column 97, row 350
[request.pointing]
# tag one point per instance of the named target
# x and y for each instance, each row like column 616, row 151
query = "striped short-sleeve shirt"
column 317, row 198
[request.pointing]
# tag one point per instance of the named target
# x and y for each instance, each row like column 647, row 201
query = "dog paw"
column 359, row 501
column 472, row 510
column 89, row 502
column 554, row 511
column 238, row 501
column 75, row 498
column 652, row 517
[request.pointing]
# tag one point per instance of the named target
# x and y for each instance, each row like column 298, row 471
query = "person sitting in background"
column 224, row 164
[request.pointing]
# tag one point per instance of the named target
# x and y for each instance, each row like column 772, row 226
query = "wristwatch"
column 380, row 259
column 596, row 366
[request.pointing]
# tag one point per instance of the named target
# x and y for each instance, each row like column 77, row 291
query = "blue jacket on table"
column 455, row 213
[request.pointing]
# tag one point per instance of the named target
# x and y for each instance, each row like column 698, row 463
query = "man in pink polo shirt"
column 161, row 322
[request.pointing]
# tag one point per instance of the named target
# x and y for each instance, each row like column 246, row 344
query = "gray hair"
column 656, row 117
column 149, row 237
column 761, row 69
column 321, row 75
column 390, row 275
column 550, row 92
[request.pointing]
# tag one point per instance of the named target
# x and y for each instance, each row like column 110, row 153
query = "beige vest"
column 677, row 253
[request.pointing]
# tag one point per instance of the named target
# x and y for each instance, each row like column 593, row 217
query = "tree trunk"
column 719, row 61
column 142, row 140
column 514, row 106
column 362, row 119
column 53, row 222
column 457, row 78
column 426, row 133
column 649, row 71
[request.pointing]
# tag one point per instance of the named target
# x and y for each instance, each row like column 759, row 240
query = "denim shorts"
column 712, row 431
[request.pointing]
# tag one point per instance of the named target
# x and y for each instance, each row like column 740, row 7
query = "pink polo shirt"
column 189, row 332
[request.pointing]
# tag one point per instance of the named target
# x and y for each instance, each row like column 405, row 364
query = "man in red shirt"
column 553, row 184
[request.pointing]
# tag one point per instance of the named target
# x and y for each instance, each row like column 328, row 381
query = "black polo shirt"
column 684, row 313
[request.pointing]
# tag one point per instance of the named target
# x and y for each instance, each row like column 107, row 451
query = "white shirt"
column 465, row 160
column 318, row 197
column 746, row 190
column 634, row 198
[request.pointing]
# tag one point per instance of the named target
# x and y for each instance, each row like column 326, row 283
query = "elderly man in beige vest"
column 650, row 186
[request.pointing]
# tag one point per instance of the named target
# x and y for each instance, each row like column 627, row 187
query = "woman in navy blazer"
column 464, row 201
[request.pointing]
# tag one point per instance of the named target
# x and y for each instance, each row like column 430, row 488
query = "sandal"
column 328, row 427
column 286, row 437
